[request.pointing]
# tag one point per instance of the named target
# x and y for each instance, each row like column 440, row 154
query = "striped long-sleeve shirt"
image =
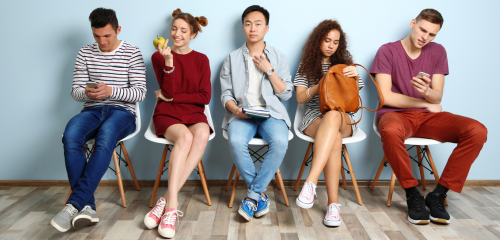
column 122, row 69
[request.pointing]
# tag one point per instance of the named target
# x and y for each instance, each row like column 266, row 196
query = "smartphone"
column 422, row 74
column 92, row 84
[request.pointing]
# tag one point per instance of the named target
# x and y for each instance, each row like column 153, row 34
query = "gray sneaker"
column 62, row 221
column 86, row 217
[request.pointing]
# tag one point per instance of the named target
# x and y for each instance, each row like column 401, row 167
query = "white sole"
column 436, row 220
column 331, row 223
column 244, row 215
column 168, row 234
column 59, row 228
column 304, row 205
column 82, row 221
column 418, row 222
column 262, row 212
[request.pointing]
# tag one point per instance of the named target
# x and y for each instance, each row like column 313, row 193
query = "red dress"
column 190, row 87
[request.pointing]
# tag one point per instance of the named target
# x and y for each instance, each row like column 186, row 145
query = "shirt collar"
column 246, row 51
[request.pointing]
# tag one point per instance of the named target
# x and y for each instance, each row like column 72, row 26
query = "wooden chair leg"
column 69, row 193
column 204, row 174
column 278, row 185
column 384, row 159
column 204, row 183
column 279, row 179
column 130, row 168
column 233, row 193
column 230, row 177
column 422, row 174
column 391, row 189
column 436, row 175
column 344, row 181
column 119, row 178
column 158, row 175
column 303, row 166
column 353, row 178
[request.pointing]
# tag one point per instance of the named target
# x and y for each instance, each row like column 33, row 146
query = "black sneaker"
column 434, row 203
column 416, row 209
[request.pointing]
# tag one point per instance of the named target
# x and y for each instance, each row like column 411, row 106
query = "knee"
column 477, row 131
column 237, row 142
column 185, row 140
column 279, row 143
column 200, row 139
column 72, row 139
column 391, row 132
column 332, row 117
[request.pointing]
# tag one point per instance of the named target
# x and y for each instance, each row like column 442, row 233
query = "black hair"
column 255, row 8
column 101, row 17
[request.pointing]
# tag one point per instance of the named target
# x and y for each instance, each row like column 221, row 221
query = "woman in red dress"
column 184, row 78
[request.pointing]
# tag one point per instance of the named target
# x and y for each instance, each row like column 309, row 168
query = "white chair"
column 358, row 137
column 118, row 157
column 257, row 157
column 424, row 153
column 150, row 135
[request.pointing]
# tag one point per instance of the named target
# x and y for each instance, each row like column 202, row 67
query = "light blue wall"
column 40, row 39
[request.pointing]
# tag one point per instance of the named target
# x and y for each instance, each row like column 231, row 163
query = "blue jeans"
column 275, row 133
column 108, row 125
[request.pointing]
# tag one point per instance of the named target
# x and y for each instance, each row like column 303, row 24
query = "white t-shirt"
column 254, row 95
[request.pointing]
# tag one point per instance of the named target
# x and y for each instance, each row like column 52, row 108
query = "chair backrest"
column 150, row 133
column 299, row 114
column 375, row 121
column 137, row 122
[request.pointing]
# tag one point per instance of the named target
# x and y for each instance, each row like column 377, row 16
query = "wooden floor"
column 25, row 213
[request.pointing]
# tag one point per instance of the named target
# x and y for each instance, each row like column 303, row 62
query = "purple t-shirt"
column 392, row 59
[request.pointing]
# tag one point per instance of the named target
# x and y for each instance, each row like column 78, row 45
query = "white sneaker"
column 306, row 197
column 332, row 217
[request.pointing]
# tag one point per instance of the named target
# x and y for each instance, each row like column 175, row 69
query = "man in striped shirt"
column 108, row 115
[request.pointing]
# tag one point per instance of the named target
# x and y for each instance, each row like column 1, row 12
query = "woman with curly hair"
column 326, row 46
column 184, row 78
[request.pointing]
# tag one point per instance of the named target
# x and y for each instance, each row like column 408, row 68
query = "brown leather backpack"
column 340, row 93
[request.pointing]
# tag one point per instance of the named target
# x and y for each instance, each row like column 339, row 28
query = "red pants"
column 470, row 135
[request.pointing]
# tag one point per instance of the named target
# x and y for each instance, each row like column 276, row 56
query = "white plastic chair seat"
column 299, row 114
column 258, row 141
column 150, row 133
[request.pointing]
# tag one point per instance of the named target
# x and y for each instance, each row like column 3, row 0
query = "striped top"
column 122, row 69
column 312, row 111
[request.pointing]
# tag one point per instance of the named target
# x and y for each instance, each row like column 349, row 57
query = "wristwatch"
column 270, row 72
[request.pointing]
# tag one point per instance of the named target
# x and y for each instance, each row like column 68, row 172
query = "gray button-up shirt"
column 234, row 81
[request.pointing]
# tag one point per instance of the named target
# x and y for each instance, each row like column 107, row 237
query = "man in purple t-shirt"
column 412, row 109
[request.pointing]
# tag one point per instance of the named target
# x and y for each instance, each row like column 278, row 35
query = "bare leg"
column 182, row 138
column 200, row 133
column 332, row 171
column 325, row 133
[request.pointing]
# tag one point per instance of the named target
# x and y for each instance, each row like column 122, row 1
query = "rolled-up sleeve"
column 283, row 71
column 226, row 83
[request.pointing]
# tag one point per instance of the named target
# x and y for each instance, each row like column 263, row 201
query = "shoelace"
column 439, row 202
column 251, row 205
column 331, row 210
column 264, row 199
column 171, row 217
column 309, row 190
column 419, row 206
column 158, row 210
column 72, row 211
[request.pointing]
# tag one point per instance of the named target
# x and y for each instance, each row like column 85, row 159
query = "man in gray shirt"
column 256, row 76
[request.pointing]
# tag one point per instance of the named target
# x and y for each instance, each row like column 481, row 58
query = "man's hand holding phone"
column 100, row 92
column 421, row 83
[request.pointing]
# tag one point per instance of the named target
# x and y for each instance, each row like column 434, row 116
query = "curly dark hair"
column 311, row 53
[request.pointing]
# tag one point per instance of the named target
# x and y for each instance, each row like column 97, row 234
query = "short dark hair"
column 101, row 17
column 432, row 16
column 255, row 8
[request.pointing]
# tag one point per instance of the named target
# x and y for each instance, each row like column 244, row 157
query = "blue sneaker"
column 247, row 208
column 262, row 206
